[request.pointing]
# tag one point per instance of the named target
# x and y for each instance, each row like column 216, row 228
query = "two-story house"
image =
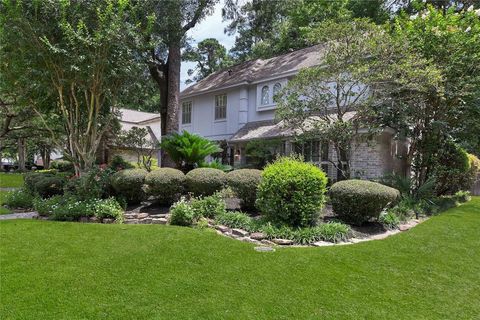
column 236, row 105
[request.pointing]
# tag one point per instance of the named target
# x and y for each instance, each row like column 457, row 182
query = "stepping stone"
column 239, row 232
column 223, row 229
column 258, row 236
column 145, row 221
column 131, row 221
column 264, row 249
column 159, row 221
column 142, row 215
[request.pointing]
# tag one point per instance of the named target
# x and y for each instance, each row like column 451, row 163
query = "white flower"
column 477, row 12
column 470, row 8
column 424, row 15
column 468, row 29
column 413, row 17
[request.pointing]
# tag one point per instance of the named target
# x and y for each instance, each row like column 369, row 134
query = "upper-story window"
column 276, row 88
column 221, row 107
column 187, row 112
column 265, row 95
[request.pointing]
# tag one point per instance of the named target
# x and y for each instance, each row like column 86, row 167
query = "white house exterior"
column 236, row 105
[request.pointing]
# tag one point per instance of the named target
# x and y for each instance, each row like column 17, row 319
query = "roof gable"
column 256, row 70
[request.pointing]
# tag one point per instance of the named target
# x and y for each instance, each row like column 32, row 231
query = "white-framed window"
column 187, row 112
column 276, row 88
column 265, row 95
column 221, row 107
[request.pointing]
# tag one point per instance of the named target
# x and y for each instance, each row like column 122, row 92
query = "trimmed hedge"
column 244, row 182
column 165, row 184
column 44, row 184
column 129, row 184
column 292, row 192
column 205, row 181
column 357, row 201
column 62, row 165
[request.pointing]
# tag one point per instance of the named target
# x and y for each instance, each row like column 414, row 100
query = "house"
column 236, row 106
column 133, row 118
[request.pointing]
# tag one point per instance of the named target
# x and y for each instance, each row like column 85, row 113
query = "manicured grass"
column 11, row 180
column 92, row 271
column 3, row 210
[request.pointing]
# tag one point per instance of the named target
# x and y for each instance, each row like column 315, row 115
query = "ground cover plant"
column 429, row 272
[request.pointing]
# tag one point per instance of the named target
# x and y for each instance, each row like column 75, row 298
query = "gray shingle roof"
column 134, row 116
column 256, row 70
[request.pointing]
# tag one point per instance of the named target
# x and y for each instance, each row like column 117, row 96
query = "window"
column 265, row 95
column 276, row 88
column 221, row 107
column 325, row 151
column 325, row 168
column 187, row 112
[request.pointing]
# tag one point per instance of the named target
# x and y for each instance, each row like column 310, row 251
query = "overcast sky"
column 211, row 27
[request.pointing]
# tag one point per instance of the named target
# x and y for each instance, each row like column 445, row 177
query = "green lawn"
column 54, row 270
column 11, row 180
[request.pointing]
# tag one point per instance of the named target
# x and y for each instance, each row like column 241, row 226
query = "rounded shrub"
column 49, row 185
column 244, row 182
column 129, row 184
column 62, row 165
column 292, row 192
column 205, row 181
column 357, row 201
column 451, row 169
column 182, row 213
column 165, row 184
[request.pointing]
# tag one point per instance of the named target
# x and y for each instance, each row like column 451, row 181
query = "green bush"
column 357, row 201
column 332, row 232
column 205, row 181
column 165, row 184
column 72, row 209
column 31, row 178
column 62, row 165
column 209, row 207
column 389, row 220
column 292, row 192
column 451, row 169
column 244, row 182
column 118, row 163
column 19, row 199
column 182, row 213
column 47, row 186
column 45, row 207
column 462, row 196
column 94, row 184
column 108, row 208
column 129, row 184
column 235, row 219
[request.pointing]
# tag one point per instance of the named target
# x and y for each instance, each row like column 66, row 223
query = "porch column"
column 243, row 107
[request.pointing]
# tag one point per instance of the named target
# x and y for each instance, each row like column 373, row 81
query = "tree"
column 209, row 55
column 366, row 71
column 164, row 25
column 137, row 139
column 76, row 54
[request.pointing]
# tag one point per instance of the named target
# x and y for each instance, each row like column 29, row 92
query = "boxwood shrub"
column 205, row 181
column 244, row 182
column 128, row 184
column 62, row 165
column 165, row 184
column 357, row 201
column 292, row 192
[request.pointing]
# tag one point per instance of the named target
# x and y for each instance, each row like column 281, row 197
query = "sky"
column 211, row 27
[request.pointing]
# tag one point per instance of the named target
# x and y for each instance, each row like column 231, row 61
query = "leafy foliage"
column 244, row 182
column 138, row 140
column 452, row 169
column 19, row 199
column 357, row 201
column 262, row 151
column 205, row 181
column 188, row 150
column 129, row 184
column 210, row 206
column 165, row 184
column 182, row 213
column 292, row 192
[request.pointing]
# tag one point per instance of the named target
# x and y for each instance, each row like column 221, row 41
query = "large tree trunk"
column 21, row 154
column 174, row 62
column 159, row 73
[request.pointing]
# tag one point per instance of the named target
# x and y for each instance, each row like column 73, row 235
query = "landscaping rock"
column 108, row 220
column 93, row 219
column 84, row 219
column 159, row 221
column 223, row 229
column 142, row 215
column 258, row 236
column 240, row 232
column 267, row 242
column 158, row 216
column 282, row 242
column 323, row 244
column 131, row 221
column 130, row 215
column 145, row 221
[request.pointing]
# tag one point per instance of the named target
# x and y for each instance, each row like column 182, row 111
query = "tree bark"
column 21, row 154
column 174, row 62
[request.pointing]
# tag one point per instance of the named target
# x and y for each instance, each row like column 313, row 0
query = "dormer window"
column 265, row 95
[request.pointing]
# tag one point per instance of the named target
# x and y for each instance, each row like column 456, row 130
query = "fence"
column 476, row 187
